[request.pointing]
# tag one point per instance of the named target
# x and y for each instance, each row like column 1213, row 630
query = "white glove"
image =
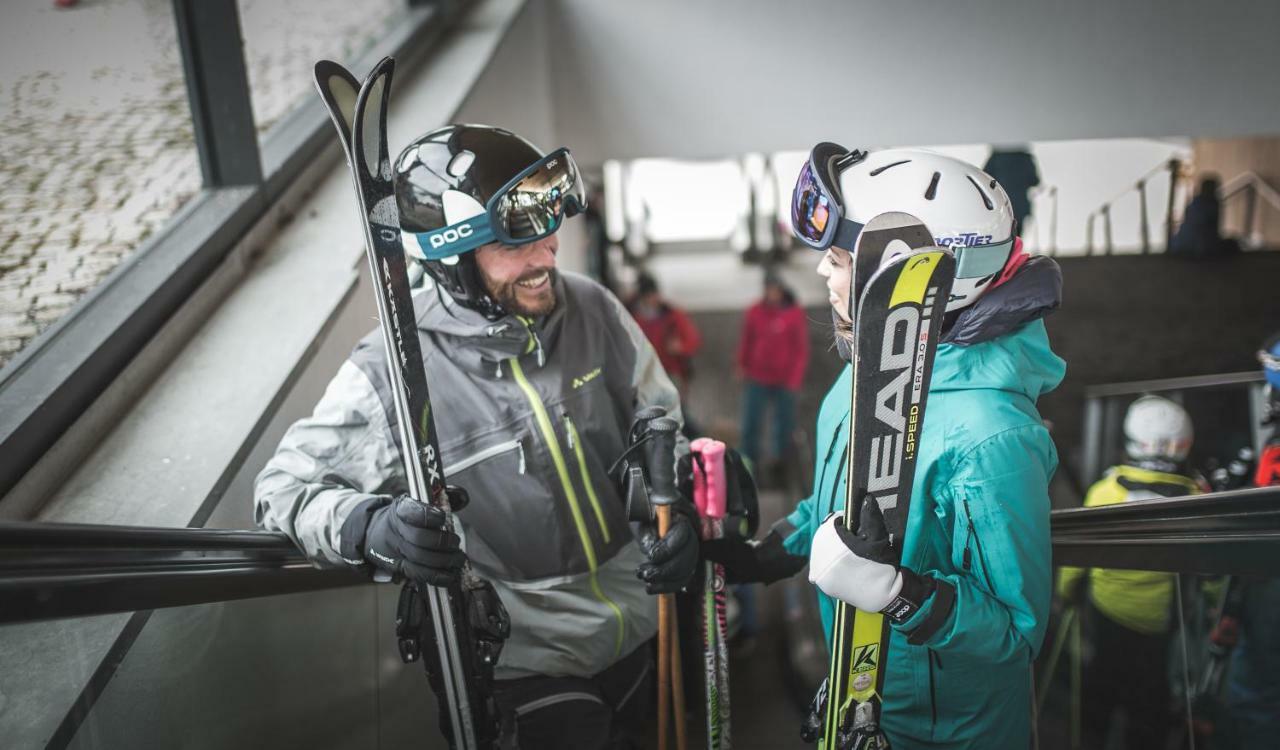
column 843, row 572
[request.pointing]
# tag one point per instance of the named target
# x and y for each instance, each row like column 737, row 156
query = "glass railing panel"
column 97, row 151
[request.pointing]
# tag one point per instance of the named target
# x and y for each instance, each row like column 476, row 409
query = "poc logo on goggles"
column 451, row 235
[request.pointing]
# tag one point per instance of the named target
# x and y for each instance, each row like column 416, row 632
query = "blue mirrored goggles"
column 531, row 206
column 816, row 214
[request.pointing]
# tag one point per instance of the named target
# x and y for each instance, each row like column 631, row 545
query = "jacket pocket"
column 514, row 528
column 466, row 462
column 972, row 561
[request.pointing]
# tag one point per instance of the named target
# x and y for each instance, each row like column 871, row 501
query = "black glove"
column 404, row 538
column 763, row 561
column 672, row 558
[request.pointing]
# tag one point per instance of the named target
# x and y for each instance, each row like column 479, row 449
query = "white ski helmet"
column 964, row 207
column 1156, row 428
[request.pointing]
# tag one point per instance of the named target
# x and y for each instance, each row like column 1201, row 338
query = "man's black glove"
column 672, row 559
column 763, row 561
column 404, row 538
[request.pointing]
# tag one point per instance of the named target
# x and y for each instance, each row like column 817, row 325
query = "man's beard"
column 507, row 294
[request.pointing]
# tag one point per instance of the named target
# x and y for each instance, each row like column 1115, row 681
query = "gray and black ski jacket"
column 531, row 414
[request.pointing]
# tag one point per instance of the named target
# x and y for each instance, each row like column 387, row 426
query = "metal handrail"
column 53, row 571
column 1137, row 387
column 1261, row 190
column 1235, row 532
column 1174, row 167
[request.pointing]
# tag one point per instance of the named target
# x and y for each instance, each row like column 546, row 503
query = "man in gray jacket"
column 535, row 376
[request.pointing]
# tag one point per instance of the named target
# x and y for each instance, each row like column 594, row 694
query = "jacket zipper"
column 973, row 534
column 487, row 453
column 835, row 488
column 575, row 445
column 822, row 477
column 933, row 693
column 562, row 470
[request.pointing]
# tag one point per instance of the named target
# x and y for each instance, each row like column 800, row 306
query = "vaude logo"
column 583, row 380
column 451, row 235
column 968, row 239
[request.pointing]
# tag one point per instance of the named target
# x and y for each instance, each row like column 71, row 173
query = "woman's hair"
column 842, row 329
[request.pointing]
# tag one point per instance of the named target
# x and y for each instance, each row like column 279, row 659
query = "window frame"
column 47, row 386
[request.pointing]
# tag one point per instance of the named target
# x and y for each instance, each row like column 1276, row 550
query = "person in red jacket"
column 773, row 353
column 674, row 336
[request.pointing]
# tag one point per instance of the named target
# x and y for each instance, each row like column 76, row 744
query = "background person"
column 772, row 356
column 1128, row 671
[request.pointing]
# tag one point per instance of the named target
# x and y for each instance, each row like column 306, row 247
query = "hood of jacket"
column 478, row 344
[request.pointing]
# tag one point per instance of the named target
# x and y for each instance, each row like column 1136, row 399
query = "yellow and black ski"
column 901, row 283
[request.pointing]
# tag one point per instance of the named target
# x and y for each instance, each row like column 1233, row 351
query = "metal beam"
column 218, row 91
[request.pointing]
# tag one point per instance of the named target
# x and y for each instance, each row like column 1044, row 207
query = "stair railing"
column 1173, row 167
column 1258, row 191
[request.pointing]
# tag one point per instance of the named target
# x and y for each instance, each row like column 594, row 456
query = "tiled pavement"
column 96, row 144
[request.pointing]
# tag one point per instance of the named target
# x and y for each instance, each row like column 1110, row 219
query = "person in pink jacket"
column 773, row 353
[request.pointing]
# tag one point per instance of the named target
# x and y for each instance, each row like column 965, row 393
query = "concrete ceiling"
column 712, row 78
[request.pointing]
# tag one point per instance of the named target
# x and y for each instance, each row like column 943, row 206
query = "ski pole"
column 662, row 485
column 710, row 497
column 1059, row 642
column 1076, row 669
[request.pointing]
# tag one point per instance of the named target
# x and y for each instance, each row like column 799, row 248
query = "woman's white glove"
column 854, row 567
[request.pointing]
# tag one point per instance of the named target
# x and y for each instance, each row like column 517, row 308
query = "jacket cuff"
column 933, row 614
column 351, row 536
column 911, row 597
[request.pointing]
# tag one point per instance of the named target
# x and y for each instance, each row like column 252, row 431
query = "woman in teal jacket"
column 976, row 559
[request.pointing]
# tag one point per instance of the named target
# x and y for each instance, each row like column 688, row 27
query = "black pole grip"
column 640, row 422
column 660, row 455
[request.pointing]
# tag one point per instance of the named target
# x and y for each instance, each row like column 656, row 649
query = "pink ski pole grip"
column 717, row 486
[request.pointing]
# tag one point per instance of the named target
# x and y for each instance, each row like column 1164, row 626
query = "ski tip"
column 385, row 67
column 326, row 70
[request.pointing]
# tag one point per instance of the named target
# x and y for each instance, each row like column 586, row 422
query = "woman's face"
column 837, row 268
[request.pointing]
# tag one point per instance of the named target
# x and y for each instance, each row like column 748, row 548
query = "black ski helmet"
column 475, row 160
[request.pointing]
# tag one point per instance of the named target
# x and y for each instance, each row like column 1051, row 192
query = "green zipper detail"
column 576, row 444
column 557, row 457
column 533, row 341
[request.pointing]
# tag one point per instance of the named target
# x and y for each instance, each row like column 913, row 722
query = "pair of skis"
column 468, row 621
column 710, row 496
column 899, row 291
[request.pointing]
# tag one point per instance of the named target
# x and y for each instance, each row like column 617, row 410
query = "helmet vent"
column 985, row 200
column 460, row 163
column 878, row 170
column 932, row 192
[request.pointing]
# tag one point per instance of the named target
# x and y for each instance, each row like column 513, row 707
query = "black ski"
column 461, row 664
column 899, row 315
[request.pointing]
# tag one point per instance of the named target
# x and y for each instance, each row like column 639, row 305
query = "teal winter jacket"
column 979, row 521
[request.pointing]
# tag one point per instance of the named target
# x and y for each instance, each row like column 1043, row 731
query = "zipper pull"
column 520, row 450
column 498, row 370
column 968, row 557
column 568, row 428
